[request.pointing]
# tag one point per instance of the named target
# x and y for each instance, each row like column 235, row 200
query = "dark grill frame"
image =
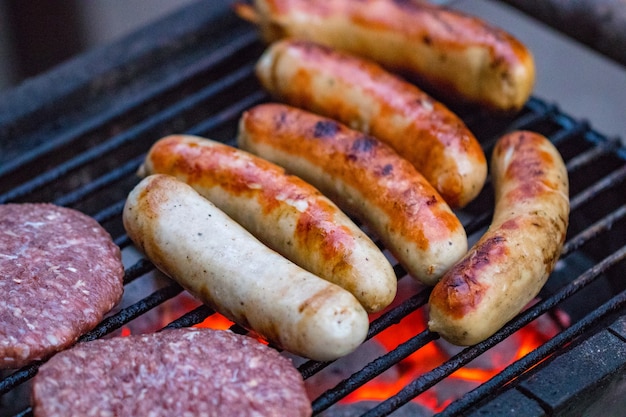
column 76, row 138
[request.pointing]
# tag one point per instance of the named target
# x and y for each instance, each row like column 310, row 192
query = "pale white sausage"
column 222, row 264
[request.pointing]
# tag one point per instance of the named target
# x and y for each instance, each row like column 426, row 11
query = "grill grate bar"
column 229, row 114
column 110, row 212
column 429, row 379
column 395, row 315
column 593, row 231
column 198, row 315
column 107, row 179
column 132, row 134
column 138, row 269
column 592, row 155
column 577, row 129
column 18, row 377
column 137, row 100
column 478, row 222
column 607, row 182
column 372, row 370
column 122, row 241
column 226, row 115
column 27, row 412
column 129, row 313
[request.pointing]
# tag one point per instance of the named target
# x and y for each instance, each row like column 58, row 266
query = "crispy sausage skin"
column 511, row 262
column 366, row 178
column 362, row 95
column 460, row 56
column 222, row 264
column 283, row 211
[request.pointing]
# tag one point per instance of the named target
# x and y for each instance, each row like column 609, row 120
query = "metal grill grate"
column 77, row 140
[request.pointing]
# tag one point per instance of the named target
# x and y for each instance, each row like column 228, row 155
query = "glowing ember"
column 435, row 353
column 185, row 302
column 215, row 321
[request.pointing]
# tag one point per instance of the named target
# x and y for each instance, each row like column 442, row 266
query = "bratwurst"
column 283, row 211
column 511, row 262
column 462, row 57
column 365, row 97
column 218, row 261
column 364, row 177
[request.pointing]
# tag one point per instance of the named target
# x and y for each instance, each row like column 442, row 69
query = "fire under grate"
column 76, row 136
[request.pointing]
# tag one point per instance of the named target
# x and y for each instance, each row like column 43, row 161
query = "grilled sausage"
column 222, row 264
column 459, row 56
column 284, row 212
column 366, row 178
column 363, row 96
column 511, row 262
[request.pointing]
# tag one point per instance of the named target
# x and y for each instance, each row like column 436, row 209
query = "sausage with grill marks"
column 283, row 211
column 365, row 177
column 511, row 262
column 222, row 264
column 462, row 57
column 362, row 95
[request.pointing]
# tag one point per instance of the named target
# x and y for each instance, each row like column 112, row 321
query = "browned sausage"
column 366, row 178
column 462, row 57
column 363, row 96
column 509, row 265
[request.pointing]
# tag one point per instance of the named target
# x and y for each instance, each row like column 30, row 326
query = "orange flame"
column 215, row 321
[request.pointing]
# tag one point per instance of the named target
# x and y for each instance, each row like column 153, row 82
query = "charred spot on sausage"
column 325, row 129
column 364, row 144
column 488, row 252
column 387, row 169
column 281, row 117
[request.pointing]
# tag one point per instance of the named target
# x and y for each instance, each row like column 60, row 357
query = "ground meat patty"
column 60, row 272
column 178, row 372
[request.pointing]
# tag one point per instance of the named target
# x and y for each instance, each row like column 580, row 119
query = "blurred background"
column 37, row 35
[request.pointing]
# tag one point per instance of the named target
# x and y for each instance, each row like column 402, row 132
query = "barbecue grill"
column 77, row 135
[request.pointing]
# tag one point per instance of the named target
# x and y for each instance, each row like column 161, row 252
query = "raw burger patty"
column 178, row 372
column 60, row 273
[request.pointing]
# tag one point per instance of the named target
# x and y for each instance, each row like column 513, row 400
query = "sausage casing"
column 283, row 211
column 366, row 178
column 460, row 56
column 222, row 264
column 511, row 262
column 362, row 95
